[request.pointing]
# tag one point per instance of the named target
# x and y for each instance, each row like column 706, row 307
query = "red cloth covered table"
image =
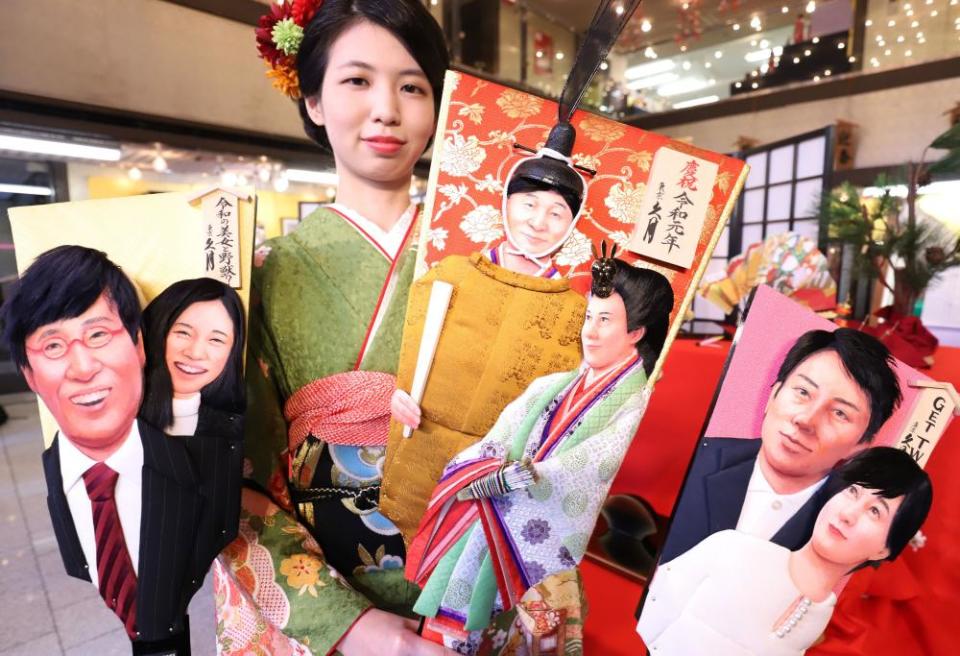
column 902, row 608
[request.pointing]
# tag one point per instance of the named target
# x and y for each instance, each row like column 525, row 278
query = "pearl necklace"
column 795, row 618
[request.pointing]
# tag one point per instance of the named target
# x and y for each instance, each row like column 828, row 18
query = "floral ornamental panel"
column 474, row 152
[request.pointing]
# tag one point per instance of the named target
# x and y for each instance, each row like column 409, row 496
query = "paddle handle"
column 440, row 294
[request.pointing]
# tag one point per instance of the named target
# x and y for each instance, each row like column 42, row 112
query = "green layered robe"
column 315, row 292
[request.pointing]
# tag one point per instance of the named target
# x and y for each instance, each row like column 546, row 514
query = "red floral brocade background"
column 474, row 153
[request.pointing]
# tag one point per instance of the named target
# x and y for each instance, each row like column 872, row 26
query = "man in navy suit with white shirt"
column 832, row 393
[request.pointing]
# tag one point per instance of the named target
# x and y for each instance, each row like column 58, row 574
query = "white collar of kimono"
column 542, row 259
column 389, row 240
column 593, row 374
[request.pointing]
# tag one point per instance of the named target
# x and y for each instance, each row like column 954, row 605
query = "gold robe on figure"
column 502, row 330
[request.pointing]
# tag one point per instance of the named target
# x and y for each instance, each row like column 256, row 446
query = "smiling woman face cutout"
column 198, row 346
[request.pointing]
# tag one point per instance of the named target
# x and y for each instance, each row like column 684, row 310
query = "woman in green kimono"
column 325, row 331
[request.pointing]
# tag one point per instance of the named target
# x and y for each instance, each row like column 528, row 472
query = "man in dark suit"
column 832, row 393
column 137, row 513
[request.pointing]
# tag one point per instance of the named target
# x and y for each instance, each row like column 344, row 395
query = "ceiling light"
column 28, row 190
column 915, row 24
column 159, row 164
column 707, row 65
column 796, row 60
column 738, row 84
column 559, row 56
column 868, row 23
column 811, row 7
column 646, row 25
column 736, row 27
column 135, row 173
column 934, row 13
column 851, row 59
column 650, row 53
column 604, row 66
column 763, row 55
column 693, row 102
column 754, row 85
column 806, row 53
column 652, row 81
column 717, row 54
column 764, row 43
column 887, row 52
column 685, row 85
column 59, row 148
column 815, row 39
column 841, row 45
column 646, row 70
column 816, row 78
column 910, row 14
column 281, row 183
column 753, row 43
column 316, row 177
column 891, row 23
column 784, row 9
column 687, row 66
column 827, row 72
column 619, row 10
column 908, row 53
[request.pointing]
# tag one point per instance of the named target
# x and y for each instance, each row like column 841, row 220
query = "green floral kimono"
column 314, row 552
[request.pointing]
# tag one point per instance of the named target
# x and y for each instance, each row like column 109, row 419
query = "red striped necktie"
column 118, row 580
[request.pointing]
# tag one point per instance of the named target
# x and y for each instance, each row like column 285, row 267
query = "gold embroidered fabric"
column 502, row 330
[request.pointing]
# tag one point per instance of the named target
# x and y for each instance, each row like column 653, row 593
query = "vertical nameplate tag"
column 931, row 415
column 674, row 207
column 221, row 244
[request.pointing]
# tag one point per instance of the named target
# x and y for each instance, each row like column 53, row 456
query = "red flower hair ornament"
column 279, row 35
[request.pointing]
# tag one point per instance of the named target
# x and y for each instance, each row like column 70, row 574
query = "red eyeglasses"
column 94, row 337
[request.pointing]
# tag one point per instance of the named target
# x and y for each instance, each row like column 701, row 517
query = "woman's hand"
column 404, row 409
column 379, row 633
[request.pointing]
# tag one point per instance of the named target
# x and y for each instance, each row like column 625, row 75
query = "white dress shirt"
column 186, row 413
column 764, row 512
column 127, row 461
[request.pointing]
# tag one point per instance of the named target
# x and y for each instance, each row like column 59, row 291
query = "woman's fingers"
column 404, row 409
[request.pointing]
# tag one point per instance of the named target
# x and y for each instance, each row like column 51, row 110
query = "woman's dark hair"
column 648, row 298
column 408, row 20
column 62, row 283
column 891, row 473
column 865, row 359
column 226, row 393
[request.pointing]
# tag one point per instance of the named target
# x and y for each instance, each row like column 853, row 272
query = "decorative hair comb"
column 603, row 270
column 279, row 35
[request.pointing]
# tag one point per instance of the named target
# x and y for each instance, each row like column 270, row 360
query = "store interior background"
column 147, row 96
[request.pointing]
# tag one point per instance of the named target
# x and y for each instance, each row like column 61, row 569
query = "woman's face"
column 606, row 340
column 198, row 346
column 853, row 526
column 376, row 104
column 538, row 220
